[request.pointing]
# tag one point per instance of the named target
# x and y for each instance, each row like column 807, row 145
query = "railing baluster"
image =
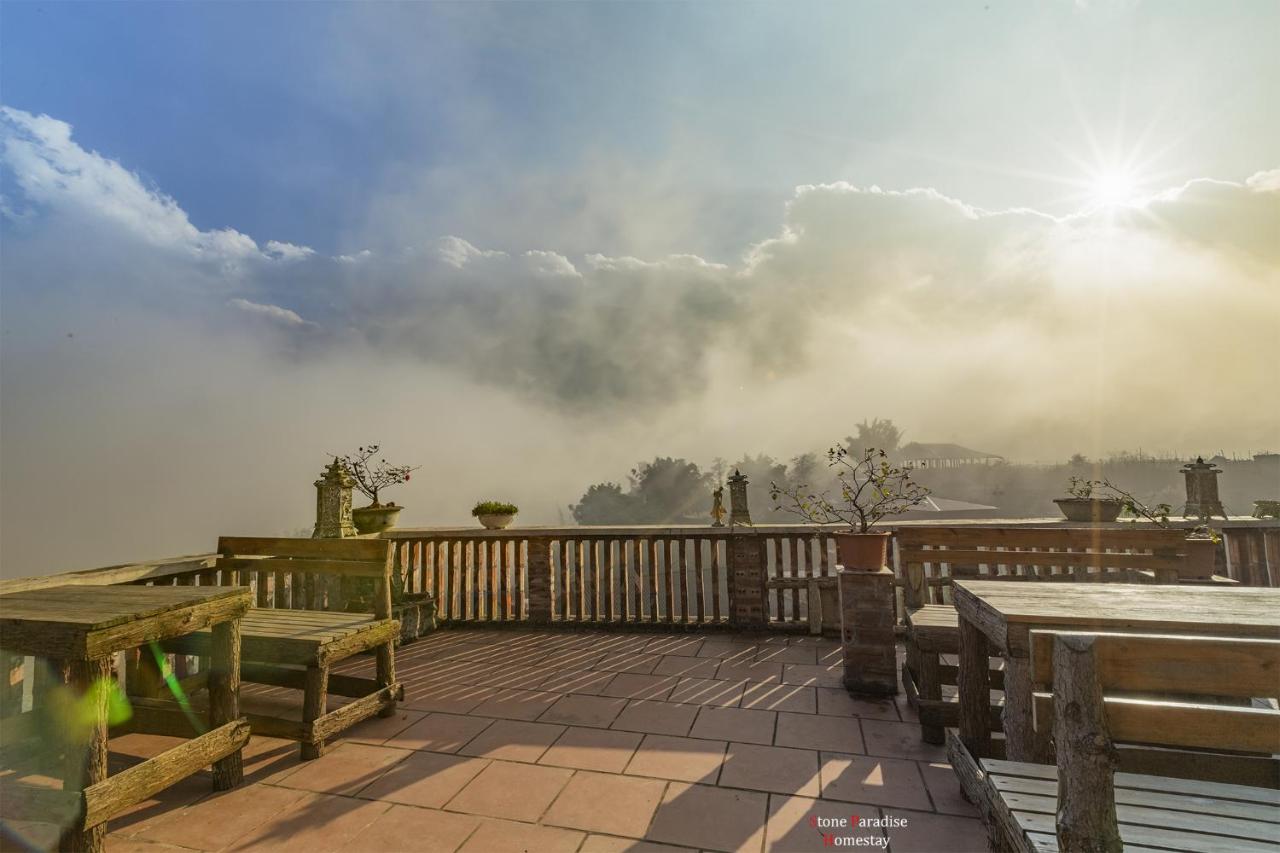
column 519, row 554
column 799, row 567
column 715, row 579
column 698, row 566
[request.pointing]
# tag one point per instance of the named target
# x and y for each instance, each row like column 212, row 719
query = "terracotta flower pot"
column 1089, row 509
column 867, row 552
column 375, row 519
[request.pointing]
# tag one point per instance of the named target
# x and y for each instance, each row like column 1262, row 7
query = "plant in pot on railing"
column 372, row 478
column 1089, row 501
column 495, row 515
column 871, row 489
column 1133, row 509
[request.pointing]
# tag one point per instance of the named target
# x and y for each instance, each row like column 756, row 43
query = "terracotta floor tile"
column 634, row 685
column 629, row 662
column 318, row 823
column 710, row 818
column 577, row 710
column 220, row 819
column 427, row 779
column 765, row 672
column 677, row 645
column 657, row 718
column 603, row 802
column 447, row 698
column 838, row 702
column 682, row 758
column 514, row 740
column 788, row 654
column 814, row 731
column 612, row 844
column 439, row 733
column 873, row 779
column 592, row 749
column 707, row 691
column 43, row 835
column 934, row 833
column 813, row 676
column 513, row 791
column 345, row 769
column 408, row 830
column 734, row 724
column 897, row 740
column 693, row 667
column 728, row 651
column 516, row 675
column 779, row 697
column 157, row 807
column 771, row 768
column 587, row 681
column 113, row 844
column 377, row 729
column 944, row 788
column 516, row 704
column 504, row 836
column 570, row 659
column 791, row 825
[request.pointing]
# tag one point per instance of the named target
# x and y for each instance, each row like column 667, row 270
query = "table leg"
column 224, row 697
column 975, row 690
column 1021, row 741
column 86, row 757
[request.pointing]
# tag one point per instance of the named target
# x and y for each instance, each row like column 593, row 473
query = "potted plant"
column 372, row 478
column 495, row 515
column 1084, row 505
column 870, row 489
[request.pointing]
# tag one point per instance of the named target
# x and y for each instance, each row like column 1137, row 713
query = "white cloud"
column 457, row 252
column 273, row 313
column 288, row 251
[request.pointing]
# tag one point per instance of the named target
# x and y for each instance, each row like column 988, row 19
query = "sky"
column 528, row 244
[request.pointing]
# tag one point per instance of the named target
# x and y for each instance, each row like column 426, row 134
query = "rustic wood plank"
column 715, row 581
column 375, row 550
column 974, row 689
column 224, row 698
column 313, row 708
column 335, row 721
column 1217, row 666
column 653, row 580
column 1183, row 724
column 106, row 799
column 86, row 754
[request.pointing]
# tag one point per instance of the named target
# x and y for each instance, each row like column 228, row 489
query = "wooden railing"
column 596, row 575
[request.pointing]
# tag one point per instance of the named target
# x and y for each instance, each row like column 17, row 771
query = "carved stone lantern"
column 333, row 503
column 1202, row 490
column 739, row 513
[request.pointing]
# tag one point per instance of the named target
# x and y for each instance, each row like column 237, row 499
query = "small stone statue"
column 717, row 507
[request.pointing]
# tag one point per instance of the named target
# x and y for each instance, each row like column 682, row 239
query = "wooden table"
column 996, row 618
column 77, row 630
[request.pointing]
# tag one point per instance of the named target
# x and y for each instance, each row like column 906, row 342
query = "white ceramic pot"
column 497, row 522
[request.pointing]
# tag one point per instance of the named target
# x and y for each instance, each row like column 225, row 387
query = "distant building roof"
column 921, row 450
column 936, row 504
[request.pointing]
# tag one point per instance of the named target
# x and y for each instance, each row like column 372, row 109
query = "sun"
column 1114, row 189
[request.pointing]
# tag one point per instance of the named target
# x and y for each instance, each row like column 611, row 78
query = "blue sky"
column 527, row 245
column 313, row 123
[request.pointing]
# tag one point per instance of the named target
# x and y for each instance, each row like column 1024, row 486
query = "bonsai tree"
column 870, row 489
column 494, row 508
column 372, row 477
column 1105, row 490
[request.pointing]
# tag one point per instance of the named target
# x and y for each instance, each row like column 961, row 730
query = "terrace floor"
column 547, row 741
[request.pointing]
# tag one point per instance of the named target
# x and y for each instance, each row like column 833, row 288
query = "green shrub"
column 494, row 508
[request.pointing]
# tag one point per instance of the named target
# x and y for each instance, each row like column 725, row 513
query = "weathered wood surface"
column 224, row 698
column 107, row 798
column 1214, row 666
column 1008, row 612
column 1152, row 812
column 86, row 750
column 375, row 550
column 1086, row 818
column 88, row 622
column 297, row 636
column 975, row 688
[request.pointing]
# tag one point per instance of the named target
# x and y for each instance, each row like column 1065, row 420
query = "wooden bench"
column 1210, row 778
column 297, row 648
column 931, row 557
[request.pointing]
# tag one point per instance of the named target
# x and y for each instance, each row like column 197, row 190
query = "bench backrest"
column 1109, row 688
column 931, row 557
column 277, row 562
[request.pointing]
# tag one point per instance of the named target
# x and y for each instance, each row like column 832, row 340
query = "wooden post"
column 86, row 757
column 866, row 631
column 314, row 695
column 915, row 592
column 1086, row 757
column 386, row 653
column 929, row 686
column 224, row 697
column 1021, row 741
column 975, row 690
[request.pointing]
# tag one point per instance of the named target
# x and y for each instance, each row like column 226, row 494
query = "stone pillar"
column 739, row 512
column 333, row 503
column 747, row 580
column 1202, row 490
column 539, row 581
column 866, row 631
